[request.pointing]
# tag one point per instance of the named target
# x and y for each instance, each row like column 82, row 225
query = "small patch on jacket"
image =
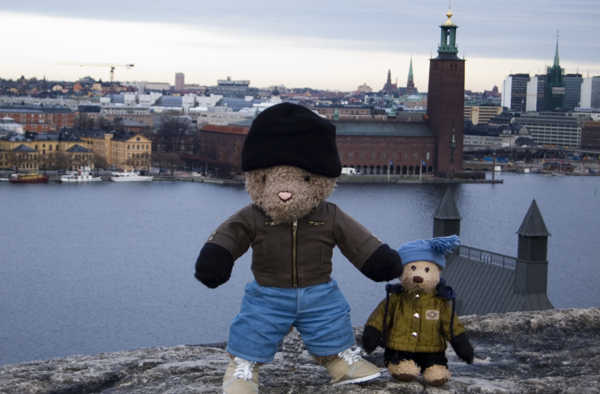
column 315, row 222
column 432, row 314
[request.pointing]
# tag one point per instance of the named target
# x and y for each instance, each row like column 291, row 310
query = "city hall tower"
column 445, row 102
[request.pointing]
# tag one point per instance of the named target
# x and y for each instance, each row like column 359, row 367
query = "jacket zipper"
column 294, row 252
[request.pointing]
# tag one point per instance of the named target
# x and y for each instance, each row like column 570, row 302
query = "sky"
column 326, row 44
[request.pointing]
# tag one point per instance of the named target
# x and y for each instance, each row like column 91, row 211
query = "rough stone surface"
column 556, row 351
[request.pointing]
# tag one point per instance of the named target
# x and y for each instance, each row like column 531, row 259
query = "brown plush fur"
column 306, row 191
column 406, row 370
column 429, row 272
column 436, row 375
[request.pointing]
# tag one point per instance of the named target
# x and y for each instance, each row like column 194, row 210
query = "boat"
column 28, row 178
column 84, row 174
column 130, row 176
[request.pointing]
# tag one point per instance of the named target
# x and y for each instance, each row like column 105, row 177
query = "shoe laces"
column 351, row 355
column 243, row 369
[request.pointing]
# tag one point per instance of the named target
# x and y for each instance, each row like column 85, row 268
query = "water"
column 106, row 267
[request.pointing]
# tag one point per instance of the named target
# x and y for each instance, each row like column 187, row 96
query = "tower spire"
column 410, row 83
column 447, row 48
column 556, row 58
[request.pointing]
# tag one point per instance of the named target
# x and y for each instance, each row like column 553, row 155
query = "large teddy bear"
column 290, row 161
column 417, row 317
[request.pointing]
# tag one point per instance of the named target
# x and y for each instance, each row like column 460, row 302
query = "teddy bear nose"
column 417, row 279
column 284, row 196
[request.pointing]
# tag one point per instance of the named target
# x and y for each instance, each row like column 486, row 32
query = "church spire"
column 556, row 59
column 410, row 82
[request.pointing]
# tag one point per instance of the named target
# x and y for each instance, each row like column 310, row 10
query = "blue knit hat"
column 432, row 250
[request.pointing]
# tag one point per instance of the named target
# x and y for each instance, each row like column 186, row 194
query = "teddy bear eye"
column 412, row 267
column 426, row 269
column 307, row 178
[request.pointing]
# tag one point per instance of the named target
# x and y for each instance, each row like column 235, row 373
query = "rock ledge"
column 555, row 351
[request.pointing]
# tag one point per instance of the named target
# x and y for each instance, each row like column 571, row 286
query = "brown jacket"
column 295, row 254
column 420, row 322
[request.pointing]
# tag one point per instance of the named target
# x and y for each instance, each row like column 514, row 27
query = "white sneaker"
column 241, row 377
column 350, row 367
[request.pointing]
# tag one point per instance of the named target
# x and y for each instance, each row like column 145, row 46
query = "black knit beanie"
column 290, row 134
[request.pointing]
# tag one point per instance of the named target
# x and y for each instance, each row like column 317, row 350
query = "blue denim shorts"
column 320, row 313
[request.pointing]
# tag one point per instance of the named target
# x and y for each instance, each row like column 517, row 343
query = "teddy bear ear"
column 444, row 245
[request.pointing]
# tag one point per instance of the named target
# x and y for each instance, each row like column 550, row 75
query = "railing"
column 488, row 257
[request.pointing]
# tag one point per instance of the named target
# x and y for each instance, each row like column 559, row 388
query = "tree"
column 170, row 134
column 99, row 161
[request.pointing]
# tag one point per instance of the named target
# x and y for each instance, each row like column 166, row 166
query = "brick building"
column 410, row 144
column 40, row 119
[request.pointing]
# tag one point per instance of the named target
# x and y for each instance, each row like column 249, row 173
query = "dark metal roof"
column 170, row 101
column 484, row 282
column 533, row 224
column 447, row 208
column 78, row 149
column 24, row 148
column 383, row 128
column 236, row 103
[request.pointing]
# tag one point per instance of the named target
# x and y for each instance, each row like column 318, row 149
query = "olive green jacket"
column 295, row 254
column 417, row 322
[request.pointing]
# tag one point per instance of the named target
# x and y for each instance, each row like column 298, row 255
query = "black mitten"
column 214, row 265
column 463, row 348
column 371, row 339
column 384, row 264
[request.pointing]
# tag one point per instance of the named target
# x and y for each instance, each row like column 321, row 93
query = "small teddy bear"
column 415, row 321
column 290, row 162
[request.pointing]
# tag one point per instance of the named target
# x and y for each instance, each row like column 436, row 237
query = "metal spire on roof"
column 533, row 224
column 410, row 72
column 447, row 208
column 556, row 59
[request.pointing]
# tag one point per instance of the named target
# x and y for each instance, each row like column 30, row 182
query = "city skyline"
column 332, row 46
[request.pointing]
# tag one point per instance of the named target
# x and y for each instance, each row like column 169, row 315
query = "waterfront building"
column 38, row 118
column 445, row 102
column 45, row 150
column 590, row 135
column 590, row 93
column 128, row 151
column 481, row 114
column 514, row 92
column 179, row 81
column 547, row 128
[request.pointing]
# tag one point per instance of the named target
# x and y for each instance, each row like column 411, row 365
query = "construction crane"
column 112, row 67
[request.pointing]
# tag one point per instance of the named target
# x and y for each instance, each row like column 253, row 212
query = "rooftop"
column 382, row 128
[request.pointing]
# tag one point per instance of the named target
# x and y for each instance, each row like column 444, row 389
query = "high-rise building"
column 590, row 93
column 179, row 81
column 535, row 94
column 514, row 92
column 445, row 101
column 572, row 91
